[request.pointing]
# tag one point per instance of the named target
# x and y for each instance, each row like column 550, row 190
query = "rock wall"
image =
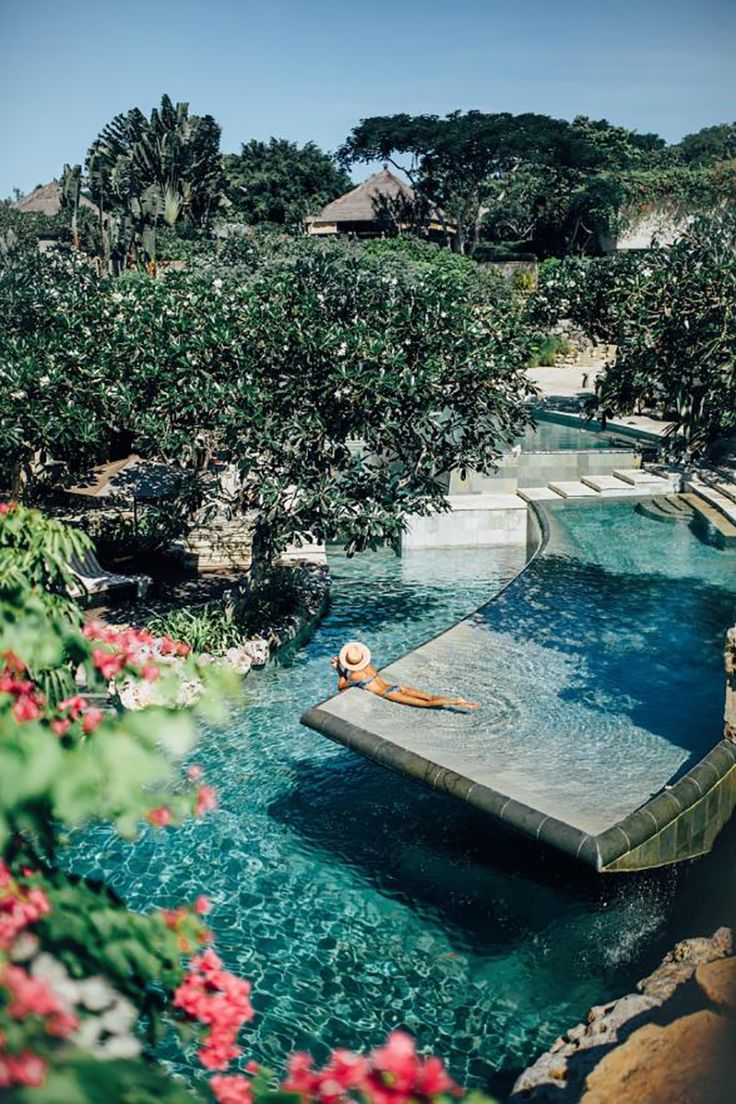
column 730, row 712
column 673, row 1041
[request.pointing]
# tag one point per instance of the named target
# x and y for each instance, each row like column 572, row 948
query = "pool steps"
column 621, row 483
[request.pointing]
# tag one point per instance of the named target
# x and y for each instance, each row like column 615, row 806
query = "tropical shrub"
column 548, row 350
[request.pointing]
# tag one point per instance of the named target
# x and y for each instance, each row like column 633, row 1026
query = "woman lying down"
column 354, row 668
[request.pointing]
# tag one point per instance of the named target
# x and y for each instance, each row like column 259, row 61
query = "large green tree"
column 521, row 172
column 281, row 182
column 146, row 172
column 279, row 375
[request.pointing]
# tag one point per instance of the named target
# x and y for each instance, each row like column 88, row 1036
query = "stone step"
column 609, row 485
column 573, row 488
column 722, row 529
column 666, row 509
column 538, row 494
column 727, row 489
column 640, row 477
column 719, row 501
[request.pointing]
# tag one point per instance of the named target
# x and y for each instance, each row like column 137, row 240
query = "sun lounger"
column 90, row 577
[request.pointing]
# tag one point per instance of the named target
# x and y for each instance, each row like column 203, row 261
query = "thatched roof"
column 46, row 200
column 359, row 205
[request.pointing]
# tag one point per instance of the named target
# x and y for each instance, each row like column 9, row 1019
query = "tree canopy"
column 473, row 164
column 279, row 373
column 281, row 182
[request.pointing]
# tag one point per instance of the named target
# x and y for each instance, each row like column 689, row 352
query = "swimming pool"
column 553, row 436
column 357, row 901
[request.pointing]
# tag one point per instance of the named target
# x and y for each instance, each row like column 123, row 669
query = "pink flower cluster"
column 234, row 1089
column 391, row 1074
column 19, row 907
column 129, row 648
column 31, row 996
column 25, row 1068
column 215, row 997
column 28, row 701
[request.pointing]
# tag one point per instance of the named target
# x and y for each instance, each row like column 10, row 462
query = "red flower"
column 108, row 664
column 91, row 720
column 74, row 705
column 150, row 672
column 202, row 905
column 25, row 1068
column 160, row 817
column 61, row 726
column 26, row 709
column 231, row 1090
column 206, row 800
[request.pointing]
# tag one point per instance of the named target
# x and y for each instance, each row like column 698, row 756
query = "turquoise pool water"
column 358, row 902
column 549, row 436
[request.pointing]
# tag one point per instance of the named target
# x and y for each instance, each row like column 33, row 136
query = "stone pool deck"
column 497, row 759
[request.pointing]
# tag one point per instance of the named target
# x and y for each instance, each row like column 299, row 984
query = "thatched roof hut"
column 372, row 207
column 46, row 200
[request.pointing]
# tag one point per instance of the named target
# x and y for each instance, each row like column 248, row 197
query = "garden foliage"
column 278, row 373
column 672, row 314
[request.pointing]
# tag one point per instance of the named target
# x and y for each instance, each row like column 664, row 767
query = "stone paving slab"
column 640, row 477
column 538, row 494
column 610, row 485
column 573, row 488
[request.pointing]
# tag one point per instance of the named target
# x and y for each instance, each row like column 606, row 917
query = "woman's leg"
column 428, row 701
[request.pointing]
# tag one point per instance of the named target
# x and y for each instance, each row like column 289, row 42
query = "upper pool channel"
column 356, row 901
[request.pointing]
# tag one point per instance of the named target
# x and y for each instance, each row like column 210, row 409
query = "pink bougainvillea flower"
column 194, row 772
column 202, row 905
column 213, row 996
column 26, row 709
column 150, row 672
column 61, row 726
column 91, row 720
column 19, row 907
column 73, row 706
column 25, row 1068
column 109, row 664
column 206, row 800
column 235, row 1089
column 160, row 817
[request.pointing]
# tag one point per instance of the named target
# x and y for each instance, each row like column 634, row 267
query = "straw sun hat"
column 354, row 656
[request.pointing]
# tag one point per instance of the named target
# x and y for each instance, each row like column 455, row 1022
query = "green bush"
column 548, row 351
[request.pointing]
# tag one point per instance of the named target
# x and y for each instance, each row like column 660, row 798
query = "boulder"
column 689, row 1061
column 718, row 982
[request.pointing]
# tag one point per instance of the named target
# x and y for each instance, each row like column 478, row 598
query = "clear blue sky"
column 306, row 69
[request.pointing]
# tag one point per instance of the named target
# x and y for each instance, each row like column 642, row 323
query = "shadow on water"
column 649, row 642
column 491, row 886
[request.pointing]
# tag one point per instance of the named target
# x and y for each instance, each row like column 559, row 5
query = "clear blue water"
column 357, row 901
column 555, row 437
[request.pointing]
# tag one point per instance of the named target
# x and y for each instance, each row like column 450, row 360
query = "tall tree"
column 165, row 168
column 280, row 182
column 468, row 163
column 709, row 145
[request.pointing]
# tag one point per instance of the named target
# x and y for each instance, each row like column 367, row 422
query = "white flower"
column 217, row 283
column 96, row 993
column 342, row 349
column 120, row 1046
